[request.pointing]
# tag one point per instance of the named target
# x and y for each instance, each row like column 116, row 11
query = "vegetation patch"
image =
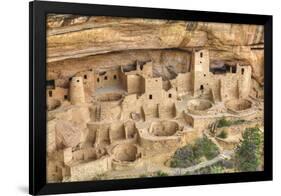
column 223, row 134
column 161, row 173
column 223, row 122
column 249, row 151
column 190, row 155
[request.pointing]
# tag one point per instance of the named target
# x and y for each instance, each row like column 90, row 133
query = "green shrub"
column 190, row 155
column 223, row 123
column 216, row 169
column 226, row 123
column 238, row 122
column 209, row 148
column 223, row 134
column 161, row 173
column 184, row 157
column 248, row 153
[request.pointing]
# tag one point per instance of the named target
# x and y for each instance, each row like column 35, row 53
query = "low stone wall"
column 87, row 171
column 239, row 106
column 121, row 165
column 125, row 156
column 152, row 146
column 167, row 110
column 150, row 111
column 203, row 123
column 199, row 106
column 164, row 128
column 110, row 110
column 56, row 96
column 198, row 122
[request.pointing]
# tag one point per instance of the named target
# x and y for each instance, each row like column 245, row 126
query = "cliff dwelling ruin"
column 124, row 94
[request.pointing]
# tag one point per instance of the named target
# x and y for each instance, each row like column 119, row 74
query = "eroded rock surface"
column 67, row 134
column 122, row 40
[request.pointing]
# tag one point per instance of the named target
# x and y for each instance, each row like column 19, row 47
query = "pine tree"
column 248, row 153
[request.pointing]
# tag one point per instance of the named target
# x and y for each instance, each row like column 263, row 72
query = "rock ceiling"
column 79, row 42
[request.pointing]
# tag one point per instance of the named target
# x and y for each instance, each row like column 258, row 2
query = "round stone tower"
column 77, row 94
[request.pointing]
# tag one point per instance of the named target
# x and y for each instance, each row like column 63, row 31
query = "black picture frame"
column 37, row 97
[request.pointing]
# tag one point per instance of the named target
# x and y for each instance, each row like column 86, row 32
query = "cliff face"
column 78, row 42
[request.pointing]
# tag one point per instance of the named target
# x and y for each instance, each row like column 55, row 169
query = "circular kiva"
column 239, row 105
column 125, row 152
column 199, row 105
column 164, row 128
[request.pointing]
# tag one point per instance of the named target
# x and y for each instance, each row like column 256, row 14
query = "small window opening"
column 242, row 71
column 201, row 87
column 201, row 54
column 204, row 75
column 170, row 95
column 200, row 61
column 85, row 76
column 141, row 67
column 102, row 73
column 114, row 77
column 65, row 97
column 150, row 96
column 105, row 77
column 228, row 68
column 50, row 93
column 98, row 79
column 77, row 80
column 70, row 79
column 234, row 69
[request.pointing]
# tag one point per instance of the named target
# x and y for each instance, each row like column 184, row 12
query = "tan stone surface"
column 67, row 134
column 128, row 92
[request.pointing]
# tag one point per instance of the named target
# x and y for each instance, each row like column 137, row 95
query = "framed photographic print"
column 130, row 97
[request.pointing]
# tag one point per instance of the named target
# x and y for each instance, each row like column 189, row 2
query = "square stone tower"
column 200, row 71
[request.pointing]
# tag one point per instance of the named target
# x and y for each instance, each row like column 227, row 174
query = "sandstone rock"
column 92, row 37
column 67, row 134
column 135, row 116
column 123, row 40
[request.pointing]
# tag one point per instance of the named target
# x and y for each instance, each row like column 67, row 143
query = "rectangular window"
column 234, row 69
column 150, row 96
column 50, row 93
